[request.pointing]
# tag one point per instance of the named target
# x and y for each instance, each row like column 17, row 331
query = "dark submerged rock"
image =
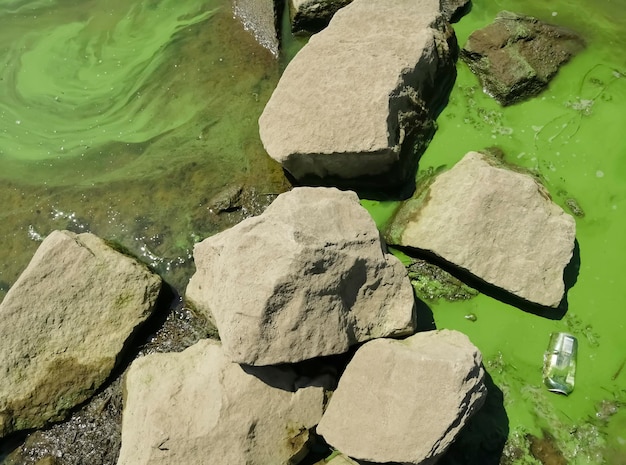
column 516, row 56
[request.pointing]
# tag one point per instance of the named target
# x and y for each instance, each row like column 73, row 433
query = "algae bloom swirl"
column 73, row 82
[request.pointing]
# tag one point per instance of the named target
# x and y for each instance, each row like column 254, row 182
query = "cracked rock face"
column 195, row 407
column 63, row 325
column 500, row 225
column 405, row 401
column 307, row 278
column 516, row 56
column 355, row 106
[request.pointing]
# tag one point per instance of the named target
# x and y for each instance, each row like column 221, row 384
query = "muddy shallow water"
column 127, row 118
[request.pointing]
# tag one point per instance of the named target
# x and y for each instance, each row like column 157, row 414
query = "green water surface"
column 125, row 118
column 572, row 135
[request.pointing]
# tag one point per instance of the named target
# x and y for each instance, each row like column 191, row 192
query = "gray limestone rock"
column 309, row 277
column 405, row 401
column 63, row 325
column 499, row 224
column 261, row 18
column 355, row 106
column 310, row 16
column 196, row 408
column 516, row 56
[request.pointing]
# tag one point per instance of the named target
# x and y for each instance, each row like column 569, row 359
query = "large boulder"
column 405, row 401
column 516, row 56
column 196, row 407
column 261, row 19
column 63, row 325
column 495, row 222
column 355, row 106
column 309, row 277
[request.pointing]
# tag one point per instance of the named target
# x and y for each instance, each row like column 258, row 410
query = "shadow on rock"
column 482, row 440
column 425, row 317
column 570, row 276
column 317, row 372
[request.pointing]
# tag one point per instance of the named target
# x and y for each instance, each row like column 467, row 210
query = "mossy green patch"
column 432, row 283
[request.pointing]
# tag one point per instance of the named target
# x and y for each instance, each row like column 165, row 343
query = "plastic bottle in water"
column 559, row 363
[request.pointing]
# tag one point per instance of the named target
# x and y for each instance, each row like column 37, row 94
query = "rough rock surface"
column 500, row 225
column 195, row 408
column 405, row 401
column 516, row 56
column 312, row 16
column 63, row 325
column 308, row 277
column 260, row 17
column 452, row 9
column 355, row 106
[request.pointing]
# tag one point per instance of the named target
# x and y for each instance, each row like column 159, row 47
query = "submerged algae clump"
column 432, row 283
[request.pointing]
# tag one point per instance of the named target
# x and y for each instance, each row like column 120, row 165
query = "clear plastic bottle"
column 559, row 363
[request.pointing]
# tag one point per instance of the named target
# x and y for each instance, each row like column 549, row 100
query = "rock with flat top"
column 355, row 107
column 196, row 407
column 405, row 401
column 307, row 278
column 497, row 223
column 63, row 325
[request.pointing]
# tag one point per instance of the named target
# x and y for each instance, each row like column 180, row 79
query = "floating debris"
column 559, row 363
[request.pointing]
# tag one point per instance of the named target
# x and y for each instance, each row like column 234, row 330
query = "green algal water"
column 572, row 136
column 125, row 119
column 71, row 87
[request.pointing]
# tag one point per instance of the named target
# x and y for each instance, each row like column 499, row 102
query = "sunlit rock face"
column 516, row 56
column 405, row 401
column 196, row 407
column 307, row 278
column 63, row 325
column 355, row 106
column 497, row 223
